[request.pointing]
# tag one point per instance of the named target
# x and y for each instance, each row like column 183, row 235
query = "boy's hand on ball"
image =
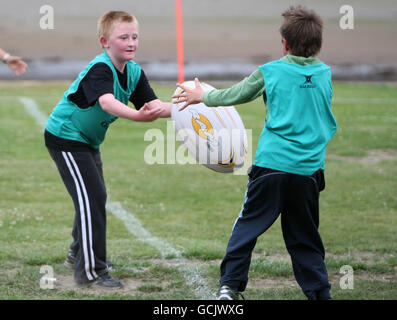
column 190, row 96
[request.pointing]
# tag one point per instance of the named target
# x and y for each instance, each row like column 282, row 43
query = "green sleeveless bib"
column 89, row 125
column 299, row 121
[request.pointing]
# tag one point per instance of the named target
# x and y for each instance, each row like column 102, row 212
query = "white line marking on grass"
column 33, row 110
column 135, row 227
column 192, row 274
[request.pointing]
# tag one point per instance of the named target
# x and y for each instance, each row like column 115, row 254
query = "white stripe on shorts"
column 87, row 241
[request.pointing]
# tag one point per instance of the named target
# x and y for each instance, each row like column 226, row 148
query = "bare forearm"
column 111, row 105
column 114, row 107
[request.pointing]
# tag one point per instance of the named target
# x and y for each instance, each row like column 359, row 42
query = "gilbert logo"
column 308, row 82
column 203, row 128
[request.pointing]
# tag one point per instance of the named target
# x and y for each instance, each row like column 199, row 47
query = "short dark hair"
column 303, row 29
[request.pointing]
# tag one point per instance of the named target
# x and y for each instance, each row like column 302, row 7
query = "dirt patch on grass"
column 373, row 157
column 368, row 258
column 334, row 279
column 273, row 283
column 131, row 286
column 384, row 277
column 183, row 263
column 358, row 256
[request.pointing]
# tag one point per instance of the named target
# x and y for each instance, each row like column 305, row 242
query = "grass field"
column 186, row 212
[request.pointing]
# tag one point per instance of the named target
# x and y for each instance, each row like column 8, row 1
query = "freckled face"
column 123, row 42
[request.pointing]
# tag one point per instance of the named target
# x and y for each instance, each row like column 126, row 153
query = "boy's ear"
column 103, row 42
column 286, row 47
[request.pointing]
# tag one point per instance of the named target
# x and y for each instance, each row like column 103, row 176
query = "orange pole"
column 179, row 41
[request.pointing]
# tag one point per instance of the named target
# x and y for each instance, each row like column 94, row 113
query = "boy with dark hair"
column 287, row 175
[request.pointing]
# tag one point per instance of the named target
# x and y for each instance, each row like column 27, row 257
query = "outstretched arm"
column 113, row 106
column 246, row 90
column 166, row 106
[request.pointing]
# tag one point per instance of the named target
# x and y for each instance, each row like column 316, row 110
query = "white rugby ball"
column 214, row 136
